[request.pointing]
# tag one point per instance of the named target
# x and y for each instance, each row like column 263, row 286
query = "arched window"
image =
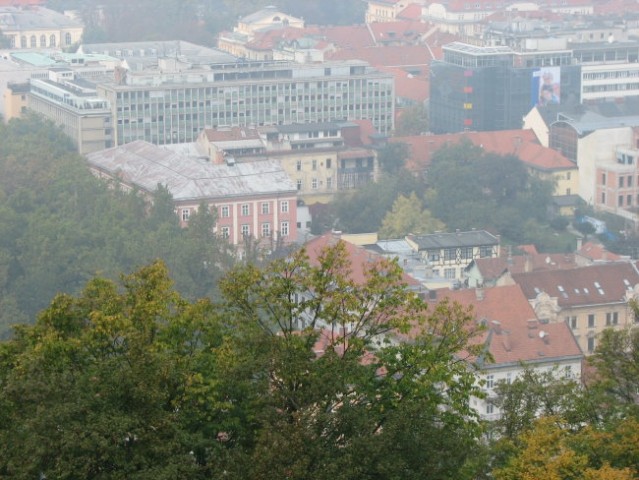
column 52, row 41
column 43, row 40
column 23, row 41
column 67, row 38
column 33, row 41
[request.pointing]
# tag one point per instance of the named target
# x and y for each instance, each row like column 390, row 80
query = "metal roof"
column 145, row 165
column 436, row 241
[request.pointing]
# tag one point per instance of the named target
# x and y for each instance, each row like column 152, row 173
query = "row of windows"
column 464, row 253
column 315, row 184
column 266, row 231
column 245, row 209
column 329, row 163
column 612, row 319
column 606, row 75
column 33, row 41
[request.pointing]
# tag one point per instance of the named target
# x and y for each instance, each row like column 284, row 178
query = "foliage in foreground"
column 133, row 381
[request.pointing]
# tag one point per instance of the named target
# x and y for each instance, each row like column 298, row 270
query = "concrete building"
column 173, row 103
column 71, row 102
column 255, row 200
column 38, row 27
column 588, row 299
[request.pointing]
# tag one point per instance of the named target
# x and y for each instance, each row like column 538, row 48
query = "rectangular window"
column 603, row 179
column 226, row 231
column 573, row 322
column 284, row 232
column 284, row 206
column 433, row 256
column 329, row 183
column 612, row 318
column 266, row 229
column 467, row 253
column 591, row 321
column 314, row 184
column 299, row 185
column 490, row 381
column 490, row 408
column 328, row 163
column 603, row 198
column 225, row 211
column 245, row 210
column 265, row 208
column 620, row 200
column 246, row 230
column 449, row 273
column 629, row 181
column 620, row 182
column 185, row 214
column 629, row 200
column 485, row 252
column 450, row 253
column 299, row 165
column 591, row 344
column 314, row 164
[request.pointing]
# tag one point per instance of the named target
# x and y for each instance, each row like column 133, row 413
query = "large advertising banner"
column 546, row 86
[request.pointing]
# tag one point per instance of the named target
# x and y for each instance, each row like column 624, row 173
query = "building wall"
column 43, row 38
column 15, row 103
column 88, row 131
column 535, row 122
column 586, row 321
column 609, row 81
column 450, row 263
column 569, row 367
column 595, row 149
column 177, row 113
column 269, row 219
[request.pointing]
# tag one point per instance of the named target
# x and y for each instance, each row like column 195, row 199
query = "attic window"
column 577, row 291
column 597, row 285
column 626, row 282
column 601, row 292
column 537, row 291
column 560, row 288
column 586, row 291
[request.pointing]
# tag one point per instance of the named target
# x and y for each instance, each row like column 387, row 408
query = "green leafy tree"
column 473, row 188
column 392, row 157
column 414, row 120
column 408, row 216
column 364, row 210
column 343, row 403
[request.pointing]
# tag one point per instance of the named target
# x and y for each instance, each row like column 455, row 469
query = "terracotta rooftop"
column 409, row 86
column 493, row 268
column 521, row 143
column 231, row 134
column 360, row 258
column 416, row 56
column 406, row 31
column 509, row 317
column 597, row 252
column 411, row 12
column 591, row 285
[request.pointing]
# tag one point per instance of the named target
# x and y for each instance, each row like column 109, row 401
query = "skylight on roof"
column 561, row 289
column 586, row 291
column 626, row 282
column 597, row 285
column 601, row 292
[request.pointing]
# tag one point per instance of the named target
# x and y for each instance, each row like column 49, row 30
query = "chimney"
column 544, row 336
column 479, row 294
column 496, row 326
column 505, row 340
column 532, row 326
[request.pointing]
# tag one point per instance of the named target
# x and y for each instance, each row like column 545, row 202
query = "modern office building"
column 173, row 102
column 492, row 88
column 71, row 102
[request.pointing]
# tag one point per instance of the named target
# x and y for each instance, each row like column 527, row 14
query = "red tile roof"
column 591, row 285
column 506, row 312
column 493, row 268
column 522, row 143
column 348, row 36
column 411, row 12
column 409, row 86
column 406, row 31
column 360, row 259
column 596, row 252
column 231, row 134
column 388, row 56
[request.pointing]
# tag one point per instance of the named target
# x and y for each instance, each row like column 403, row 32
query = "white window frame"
column 284, row 206
column 186, row 213
column 266, row 208
column 284, row 229
column 266, row 229
column 246, row 210
column 225, row 232
column 225, row 211
column 246, row 230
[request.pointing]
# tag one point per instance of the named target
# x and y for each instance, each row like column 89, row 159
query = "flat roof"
column 146, row 165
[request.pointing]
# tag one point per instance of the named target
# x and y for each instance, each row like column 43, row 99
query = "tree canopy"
column 131, row 380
